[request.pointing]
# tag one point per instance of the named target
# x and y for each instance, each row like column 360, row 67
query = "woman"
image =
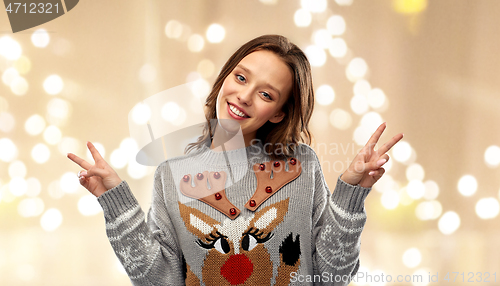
column 269, row 218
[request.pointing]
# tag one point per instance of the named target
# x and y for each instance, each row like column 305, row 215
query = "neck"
column 230, row 141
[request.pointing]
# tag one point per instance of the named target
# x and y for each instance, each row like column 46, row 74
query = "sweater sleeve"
column 147, row 250
column 338, row 221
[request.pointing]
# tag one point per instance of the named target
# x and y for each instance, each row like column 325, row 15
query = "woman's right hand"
column 97, row 178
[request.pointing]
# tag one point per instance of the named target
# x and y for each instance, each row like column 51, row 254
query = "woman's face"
column 255, row 91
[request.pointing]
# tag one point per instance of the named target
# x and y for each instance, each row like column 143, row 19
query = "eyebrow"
column 267, row 84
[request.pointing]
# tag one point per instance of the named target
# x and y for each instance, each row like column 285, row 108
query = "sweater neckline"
column 238, row 156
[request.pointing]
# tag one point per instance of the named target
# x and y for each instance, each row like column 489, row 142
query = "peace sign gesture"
column 366, row 168
column 97, row 178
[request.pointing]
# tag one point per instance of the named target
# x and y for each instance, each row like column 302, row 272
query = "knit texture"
column 300, row 231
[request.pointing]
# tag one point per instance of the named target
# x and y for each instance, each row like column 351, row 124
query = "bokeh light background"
column 428, row 68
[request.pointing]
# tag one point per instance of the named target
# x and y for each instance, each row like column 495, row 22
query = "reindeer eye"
column 222, row 245
column 248, row 242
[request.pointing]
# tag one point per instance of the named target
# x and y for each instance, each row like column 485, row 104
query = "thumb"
column 96, row 172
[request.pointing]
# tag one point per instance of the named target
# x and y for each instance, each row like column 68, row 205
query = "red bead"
column 262, row 167
column 293, row 161
column 232, row 211
column 276, row 164
column 252, row 203
column 185, row 178
column 199, row 176
column 269, row 189
column 218, row 196
column 216, row 175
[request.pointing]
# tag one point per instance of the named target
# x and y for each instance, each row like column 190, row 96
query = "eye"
column 222, row 245
column 217, row 241
column 248, row 242
column 252, row 237
column 266, row 95
column 241, row 78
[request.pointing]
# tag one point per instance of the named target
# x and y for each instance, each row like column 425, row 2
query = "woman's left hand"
column 366, row 168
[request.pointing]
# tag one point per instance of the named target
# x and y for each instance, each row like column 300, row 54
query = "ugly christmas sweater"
column 237, row 218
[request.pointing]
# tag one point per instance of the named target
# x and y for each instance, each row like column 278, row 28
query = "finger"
column 82, row 163
column 388, row 145
column 383, row 157
column 377, row 174
column 93, row 150
column 82, row 173
column 84, row 182
column 374, row 165
column 375, row 137
column 96, row 172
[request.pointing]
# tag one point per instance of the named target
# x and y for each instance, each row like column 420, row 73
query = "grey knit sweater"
column 257, row 228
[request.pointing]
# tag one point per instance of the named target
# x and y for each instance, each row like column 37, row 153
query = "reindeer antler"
column 215, row 196
column 267, row 186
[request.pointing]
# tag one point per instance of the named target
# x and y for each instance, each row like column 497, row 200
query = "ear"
column 270, row 217
column 277, row 117
column 197, row 222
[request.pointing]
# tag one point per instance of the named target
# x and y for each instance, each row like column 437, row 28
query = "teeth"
column 236, row 111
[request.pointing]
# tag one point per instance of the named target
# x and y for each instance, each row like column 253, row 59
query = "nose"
column 237, row 269
column 245, row 96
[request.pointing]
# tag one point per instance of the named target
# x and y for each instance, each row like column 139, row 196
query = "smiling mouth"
column 236, row 112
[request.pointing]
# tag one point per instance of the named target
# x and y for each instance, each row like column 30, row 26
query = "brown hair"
column 293, row 128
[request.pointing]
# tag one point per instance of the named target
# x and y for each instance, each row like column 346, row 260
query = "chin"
column 229, row 125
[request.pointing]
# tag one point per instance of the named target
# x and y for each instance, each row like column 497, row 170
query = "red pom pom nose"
column 237, row 269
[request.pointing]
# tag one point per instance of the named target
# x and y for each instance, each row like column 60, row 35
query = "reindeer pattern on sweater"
column 239, row 234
